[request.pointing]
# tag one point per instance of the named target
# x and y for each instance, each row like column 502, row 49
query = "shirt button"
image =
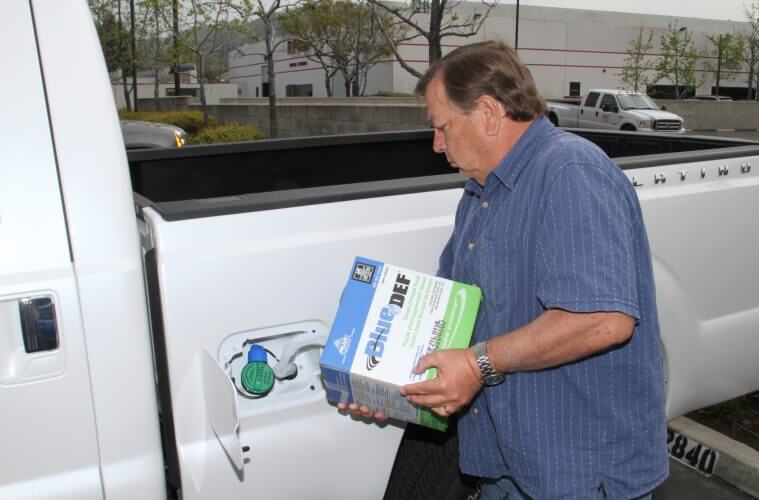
column 471, row 246
column 475, row 410
column 485, row 204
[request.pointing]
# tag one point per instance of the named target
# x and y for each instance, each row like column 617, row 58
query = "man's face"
column 457, row 134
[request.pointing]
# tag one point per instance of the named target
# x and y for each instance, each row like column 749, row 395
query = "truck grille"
column 667, row 125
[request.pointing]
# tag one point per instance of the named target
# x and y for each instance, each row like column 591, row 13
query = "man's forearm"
column 557, row 337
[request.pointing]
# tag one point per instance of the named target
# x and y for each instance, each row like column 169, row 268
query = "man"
column 562, row 395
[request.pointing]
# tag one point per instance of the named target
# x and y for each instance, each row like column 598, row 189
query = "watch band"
column 487, row 372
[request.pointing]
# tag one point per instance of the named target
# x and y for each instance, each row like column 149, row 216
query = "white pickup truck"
column 614, row 109
column 130, row 287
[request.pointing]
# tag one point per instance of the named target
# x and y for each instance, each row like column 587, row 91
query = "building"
column 567, row 50
column 189, row 86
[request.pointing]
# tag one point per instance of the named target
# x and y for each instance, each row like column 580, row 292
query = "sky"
column 709, row 9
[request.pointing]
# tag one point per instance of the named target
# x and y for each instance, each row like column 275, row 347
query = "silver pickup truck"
column 614, row 109
column 133, row 284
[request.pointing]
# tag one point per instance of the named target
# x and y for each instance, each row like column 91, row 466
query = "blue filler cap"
column 256, row 353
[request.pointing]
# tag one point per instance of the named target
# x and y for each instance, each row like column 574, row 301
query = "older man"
column 562, row 394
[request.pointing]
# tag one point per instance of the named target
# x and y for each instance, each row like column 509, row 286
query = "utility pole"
column 134, row 54
column 516, row 30
column 175, row 31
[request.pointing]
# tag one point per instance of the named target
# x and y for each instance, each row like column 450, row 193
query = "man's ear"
column 493, row 112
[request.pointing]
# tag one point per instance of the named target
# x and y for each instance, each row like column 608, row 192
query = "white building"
column 567, row 50
column 189, row 86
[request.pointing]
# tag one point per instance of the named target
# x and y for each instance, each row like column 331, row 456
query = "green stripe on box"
column 430, row 419
column 460, row 316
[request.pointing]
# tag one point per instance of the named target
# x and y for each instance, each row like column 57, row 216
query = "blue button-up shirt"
column 558, row 225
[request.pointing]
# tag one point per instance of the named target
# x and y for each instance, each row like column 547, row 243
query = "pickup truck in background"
column 133, row 284
column 614, row 109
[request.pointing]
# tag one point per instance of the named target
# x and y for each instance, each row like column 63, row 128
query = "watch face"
column 493, row 379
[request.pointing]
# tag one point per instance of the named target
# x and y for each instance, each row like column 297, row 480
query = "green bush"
column 226, row 133
column 189, row 121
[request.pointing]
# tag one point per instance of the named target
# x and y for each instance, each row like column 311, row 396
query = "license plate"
column 691, row 452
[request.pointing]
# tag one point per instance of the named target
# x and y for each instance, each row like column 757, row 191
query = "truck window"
column 592, row 99
column 609, row 100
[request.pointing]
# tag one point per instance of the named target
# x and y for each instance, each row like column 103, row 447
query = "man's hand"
column 456, row 384
column 362, row 412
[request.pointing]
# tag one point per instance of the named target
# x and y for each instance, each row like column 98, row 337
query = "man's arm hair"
column 558, row 337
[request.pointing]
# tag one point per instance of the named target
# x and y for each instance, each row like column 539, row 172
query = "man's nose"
column 438, row 142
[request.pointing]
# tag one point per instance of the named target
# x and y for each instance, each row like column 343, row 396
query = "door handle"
column 30, row 345
column 596, row 113
column 38, row 325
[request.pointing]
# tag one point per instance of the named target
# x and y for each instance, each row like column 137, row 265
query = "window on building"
column 296, row 46
column 265, row 89
column 171, row 92
column 306, row 90
column 256, row 91
column 422, row 6
column 574, row 89
column 669, row 92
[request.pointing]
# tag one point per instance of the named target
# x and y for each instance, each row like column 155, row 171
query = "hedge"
column 226, row 133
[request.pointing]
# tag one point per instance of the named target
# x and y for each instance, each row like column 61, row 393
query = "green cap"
column 257, row 378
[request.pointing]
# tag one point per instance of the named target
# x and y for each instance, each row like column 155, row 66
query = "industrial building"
column 568, row 51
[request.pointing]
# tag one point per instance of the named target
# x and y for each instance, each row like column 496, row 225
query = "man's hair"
column 487, row 68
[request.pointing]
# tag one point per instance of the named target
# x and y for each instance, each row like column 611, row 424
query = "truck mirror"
column 664, row 108
column 605, row 107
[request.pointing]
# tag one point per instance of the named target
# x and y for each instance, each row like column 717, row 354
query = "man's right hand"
column 362, row 412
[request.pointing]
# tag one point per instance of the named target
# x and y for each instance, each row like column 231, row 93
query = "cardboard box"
column 388, row 318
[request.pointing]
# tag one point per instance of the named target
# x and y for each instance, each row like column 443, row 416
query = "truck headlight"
column 646, row 123
column 180, row 138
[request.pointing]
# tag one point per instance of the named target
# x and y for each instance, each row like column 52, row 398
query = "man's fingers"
column 430, row 401
column 424, row 387
column 426, row 362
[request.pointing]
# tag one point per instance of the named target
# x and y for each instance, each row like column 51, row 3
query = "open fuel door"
column 221, row 406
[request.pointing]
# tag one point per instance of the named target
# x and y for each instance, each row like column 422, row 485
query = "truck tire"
column 553, row 119
column 628, row 127
column 427, row 467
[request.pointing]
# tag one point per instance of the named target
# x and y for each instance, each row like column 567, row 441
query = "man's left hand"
column 456, row 384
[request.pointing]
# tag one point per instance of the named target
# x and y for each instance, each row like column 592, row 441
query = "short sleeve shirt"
column 558, row 225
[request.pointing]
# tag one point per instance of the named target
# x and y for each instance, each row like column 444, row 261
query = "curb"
column 738, row 464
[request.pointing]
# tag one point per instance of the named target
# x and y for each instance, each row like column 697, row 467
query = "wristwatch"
column 489, row 375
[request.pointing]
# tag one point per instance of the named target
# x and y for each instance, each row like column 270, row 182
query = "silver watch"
column 489, row 376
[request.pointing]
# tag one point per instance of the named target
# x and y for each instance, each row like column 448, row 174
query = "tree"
column 677, row 61
column 315, row 26
column 341, row 36
column 638, row 67
column 723, row 56
column 203, row 29
column 273, row 36
column 443, row 22
column 750, row 44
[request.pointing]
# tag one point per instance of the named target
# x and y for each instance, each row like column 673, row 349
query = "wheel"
column 628, row 127
column 427, row 467
column 553, row 119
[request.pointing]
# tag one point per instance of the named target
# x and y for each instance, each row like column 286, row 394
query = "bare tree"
column 274, row 36
column 750, row 43
column 202, row 31
column 432, row 20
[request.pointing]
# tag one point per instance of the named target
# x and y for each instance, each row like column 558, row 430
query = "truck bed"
column 201, row 181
